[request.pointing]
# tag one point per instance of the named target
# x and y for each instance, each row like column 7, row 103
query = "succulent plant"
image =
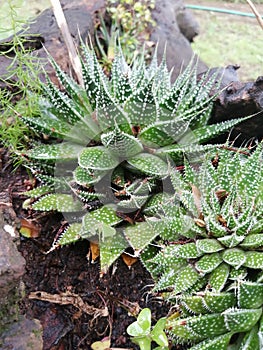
column 212, row 265
column 109, row 147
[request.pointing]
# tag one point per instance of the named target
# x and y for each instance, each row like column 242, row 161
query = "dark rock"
column 22, row 335
column 11, row 262
column 11, row 270
column 171, row 34
column 187, row 23
column 16, row 332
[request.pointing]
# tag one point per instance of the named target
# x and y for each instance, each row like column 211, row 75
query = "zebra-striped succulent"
column 118, row 139
column 212, row 266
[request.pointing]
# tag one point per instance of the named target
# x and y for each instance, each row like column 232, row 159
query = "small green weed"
column 21, row 88
column 238, row 41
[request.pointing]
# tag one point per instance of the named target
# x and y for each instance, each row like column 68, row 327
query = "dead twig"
column 63, row 26
column 256, row 13
column 67, row 298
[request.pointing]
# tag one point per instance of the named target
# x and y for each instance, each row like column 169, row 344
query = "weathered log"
column 240, row 100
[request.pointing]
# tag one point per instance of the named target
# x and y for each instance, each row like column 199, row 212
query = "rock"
column 187, row 23
column 167, row 33
column 16, row 332
column 12, row 266
column 22, row 335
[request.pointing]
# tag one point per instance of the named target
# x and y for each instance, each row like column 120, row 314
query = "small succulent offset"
column 212, row 270
column 109, row 147
column 143, row 334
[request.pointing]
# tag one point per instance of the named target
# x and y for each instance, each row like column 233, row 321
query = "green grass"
column 25, row 10
column 22, row 77
column 227, row 39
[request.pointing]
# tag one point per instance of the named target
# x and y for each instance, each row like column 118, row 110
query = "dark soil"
column 65, row 327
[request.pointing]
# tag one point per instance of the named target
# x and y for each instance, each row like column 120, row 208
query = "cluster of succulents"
column 212, row 270
column 112, row 145
column 126, row 160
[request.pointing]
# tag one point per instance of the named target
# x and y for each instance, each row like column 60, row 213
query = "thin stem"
column 258, row 17
column 63, row 26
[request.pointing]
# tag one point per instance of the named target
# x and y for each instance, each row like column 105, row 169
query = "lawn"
column 229, row 39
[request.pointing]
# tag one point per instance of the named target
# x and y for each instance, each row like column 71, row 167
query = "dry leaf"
column 28, row 229
column 129, row 260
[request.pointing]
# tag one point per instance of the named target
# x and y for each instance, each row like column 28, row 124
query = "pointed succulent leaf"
column 260, row 332
column 219, row 302
column 106, row 214
column 163, row 133
column 140, row 235
column 250, row 295
column 181, row 148
column 231, row 241
column 204, row 326
column 252, row 241
column 85, row 177
column 238, row 274
column 70, row 235
column 149, row 164
column 214, row 227
column 61, row 104
column 208, row 263
column 252, row 172
column 141, row 105
column 168, row 278
column 207, row 132
column 97, row 158
column 182, row 332
column 250, row 340
column 121, row 144
column 234, row 257
column 218, row 277
column 219, row 343
column 120, row 78
column 133, row 202
column 187, row 251
column 254, row 260
column 155, row 137
column 208, row 245
column 111, row 249
column 88, row 196
column 193, row 304
column 69, row 84
column 39, row 191
column 58, row 202
column 241, row 320
column 156, row 203
column 53, row 152
column 186, row 278
column 51, row 127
